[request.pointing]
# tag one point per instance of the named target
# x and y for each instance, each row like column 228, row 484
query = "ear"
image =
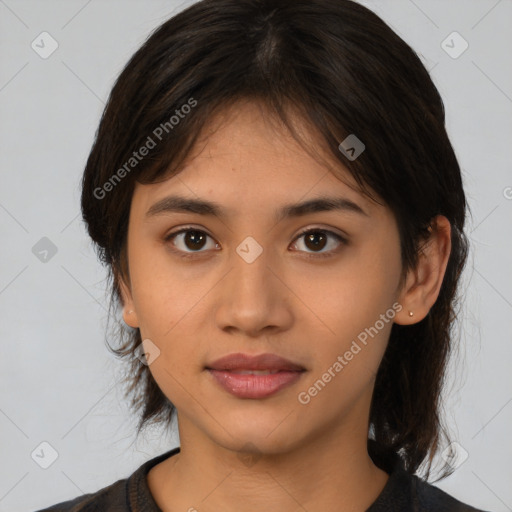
column 423, row 283
column 129, row 311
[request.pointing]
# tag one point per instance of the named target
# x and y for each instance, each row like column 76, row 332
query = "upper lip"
column 265, row 361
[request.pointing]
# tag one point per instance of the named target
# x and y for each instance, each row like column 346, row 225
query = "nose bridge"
column 252, row 297
column 251, row 266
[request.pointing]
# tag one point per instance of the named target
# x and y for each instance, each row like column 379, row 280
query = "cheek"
column 172, row 308
column 355, row 320
column 346, row 298
column 353, row 316
column 163, row 295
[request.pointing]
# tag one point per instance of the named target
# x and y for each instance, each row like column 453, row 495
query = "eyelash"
column 193, row 255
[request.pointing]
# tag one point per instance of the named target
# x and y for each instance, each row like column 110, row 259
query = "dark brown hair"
column 339, row 68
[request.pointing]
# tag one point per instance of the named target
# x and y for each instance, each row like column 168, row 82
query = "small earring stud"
column 130, row 312
column 411, row 313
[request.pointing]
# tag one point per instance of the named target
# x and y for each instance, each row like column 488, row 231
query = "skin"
column 309, row 310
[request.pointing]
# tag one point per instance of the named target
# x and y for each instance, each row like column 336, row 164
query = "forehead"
column 244, row 157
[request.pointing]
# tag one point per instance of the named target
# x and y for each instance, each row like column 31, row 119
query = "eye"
column 193, row 240
column 189, row 238
column 317, row 238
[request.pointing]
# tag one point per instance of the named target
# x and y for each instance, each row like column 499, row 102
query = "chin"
column 271, row 436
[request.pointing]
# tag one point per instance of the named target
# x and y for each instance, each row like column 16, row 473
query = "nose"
column 255, row 298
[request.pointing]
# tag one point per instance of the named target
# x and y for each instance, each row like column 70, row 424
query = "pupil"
column 195, row 237
column 312, row 237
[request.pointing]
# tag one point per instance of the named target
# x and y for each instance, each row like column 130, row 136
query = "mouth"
column 254, row 384
column 254, row 372
column 248, row 363
column 255, row 377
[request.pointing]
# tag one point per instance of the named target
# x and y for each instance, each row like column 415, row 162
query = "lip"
column 267, row 361
column 242, row 385
column 254, row 386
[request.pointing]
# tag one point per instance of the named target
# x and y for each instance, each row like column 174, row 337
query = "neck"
column 320, row 475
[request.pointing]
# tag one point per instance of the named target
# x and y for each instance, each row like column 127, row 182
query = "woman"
column 281, row 211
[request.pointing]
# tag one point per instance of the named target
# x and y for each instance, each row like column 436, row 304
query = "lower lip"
column 254, row 386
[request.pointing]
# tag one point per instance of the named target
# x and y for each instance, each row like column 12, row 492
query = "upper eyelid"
column 326, row 230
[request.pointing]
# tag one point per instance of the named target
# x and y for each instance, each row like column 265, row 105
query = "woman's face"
column 249, row 282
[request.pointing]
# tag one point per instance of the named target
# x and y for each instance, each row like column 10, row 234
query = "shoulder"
column 405, row 492
column 430, row 498
column 112, row 497
column 125, row 495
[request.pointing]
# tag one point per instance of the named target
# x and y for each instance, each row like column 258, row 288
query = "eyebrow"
column 178, row 204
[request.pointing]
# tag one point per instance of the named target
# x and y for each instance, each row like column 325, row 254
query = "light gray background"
column 59, row 384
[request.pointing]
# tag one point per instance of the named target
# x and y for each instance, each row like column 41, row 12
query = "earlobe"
column 423, row 283
column 129, row 314
column 130, row 318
